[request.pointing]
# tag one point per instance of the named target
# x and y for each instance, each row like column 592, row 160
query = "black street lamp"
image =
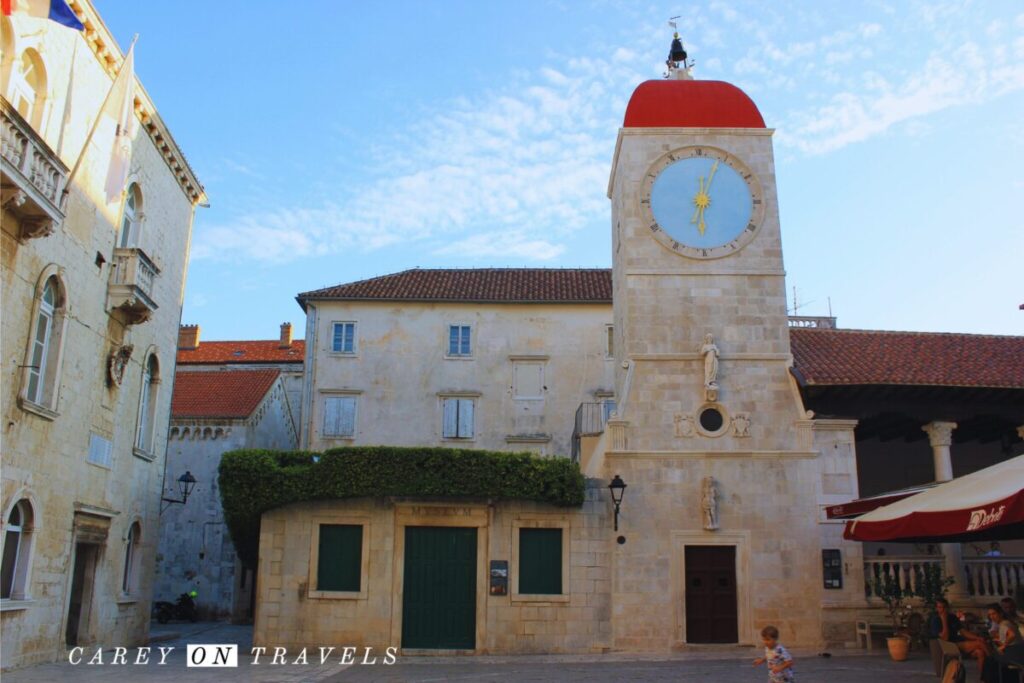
column 617, row 487
column 186, row 483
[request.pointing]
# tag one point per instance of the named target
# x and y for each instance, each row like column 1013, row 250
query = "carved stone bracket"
column 117, row 362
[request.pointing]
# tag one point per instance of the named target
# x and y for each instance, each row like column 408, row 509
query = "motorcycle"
column 184, row 608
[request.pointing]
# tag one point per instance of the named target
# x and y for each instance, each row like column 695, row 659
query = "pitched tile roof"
column 828, row 357
column 227, row 393
column 268, row 351
column 499, row 285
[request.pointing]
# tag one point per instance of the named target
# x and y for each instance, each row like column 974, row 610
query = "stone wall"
column 45, row 457
column 195, row 550
column 400, row 371
column 579, row 620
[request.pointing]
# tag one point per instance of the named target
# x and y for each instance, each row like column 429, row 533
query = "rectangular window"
column 459, row 343
column 527, row 379
column 609, row 343
column 343, row 339
column 540, row 561
column 339, row 561
column 340, row 416
column 458, row 418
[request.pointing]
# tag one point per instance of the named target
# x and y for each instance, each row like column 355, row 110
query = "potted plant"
column 931, row 585
column 895, row 598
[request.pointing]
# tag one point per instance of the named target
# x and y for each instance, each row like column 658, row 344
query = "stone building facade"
column 735, row 430
column 92, row 294
column 502, row 358
column 228, row 395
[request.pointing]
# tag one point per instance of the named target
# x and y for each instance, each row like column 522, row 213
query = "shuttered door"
column 439, row 590
column 711, row 594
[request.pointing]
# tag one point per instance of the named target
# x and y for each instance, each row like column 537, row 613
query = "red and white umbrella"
column 984, row 505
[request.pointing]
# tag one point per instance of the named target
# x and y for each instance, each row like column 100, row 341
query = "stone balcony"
column 33, row 178
column 132, row 275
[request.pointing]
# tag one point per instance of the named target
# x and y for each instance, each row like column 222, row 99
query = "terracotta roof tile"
column 505, row 285
column 268, row 351
column 227, row 393
column 828, row 357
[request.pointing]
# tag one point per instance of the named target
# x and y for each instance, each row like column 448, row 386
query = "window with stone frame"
column 144, row 436
column 343, row 337
column 129, row 578
column 460, row 341
column 131, row 218
column 458, row 418
column 339, row 558
column 540, row 561
column 17, row 550
column 41, row 379
column 27, row 87
column 339, row 416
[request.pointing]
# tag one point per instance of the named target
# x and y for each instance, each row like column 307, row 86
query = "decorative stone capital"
column 939, row 433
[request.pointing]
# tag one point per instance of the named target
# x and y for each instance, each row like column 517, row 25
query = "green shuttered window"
column 540, row 561
column 340, row 557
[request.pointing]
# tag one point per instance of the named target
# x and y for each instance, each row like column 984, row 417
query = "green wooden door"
column 439, row 594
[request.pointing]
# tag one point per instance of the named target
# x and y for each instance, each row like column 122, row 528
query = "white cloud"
column 503, row 246
column 527, row 162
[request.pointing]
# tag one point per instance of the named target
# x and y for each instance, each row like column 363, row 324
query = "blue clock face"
column 702, row 202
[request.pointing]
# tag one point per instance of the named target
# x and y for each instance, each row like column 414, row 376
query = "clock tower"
column 710, row 434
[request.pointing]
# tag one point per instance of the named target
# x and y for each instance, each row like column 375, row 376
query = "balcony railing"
column 990, row 578
column 590, row 420
column 33, row 177
column 819, row 321
column 132, row 276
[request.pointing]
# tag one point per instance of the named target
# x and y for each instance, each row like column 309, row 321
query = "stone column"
column 940, row 436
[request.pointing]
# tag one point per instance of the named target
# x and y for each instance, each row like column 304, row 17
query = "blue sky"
column 343, row 140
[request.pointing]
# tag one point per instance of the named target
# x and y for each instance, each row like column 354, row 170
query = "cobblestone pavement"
column 725, row 665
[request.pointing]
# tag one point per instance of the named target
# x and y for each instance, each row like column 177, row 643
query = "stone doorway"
column 711, row 613
column 83, row 580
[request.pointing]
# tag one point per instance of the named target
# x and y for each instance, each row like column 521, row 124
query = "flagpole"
column 96, row 123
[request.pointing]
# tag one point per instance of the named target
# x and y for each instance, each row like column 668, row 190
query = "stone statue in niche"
column 710, row 353
column 684, row 425
column 741, row 425
column 709, row 503
column 117, row 362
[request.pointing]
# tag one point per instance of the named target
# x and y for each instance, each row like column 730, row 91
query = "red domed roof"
column 691, row 104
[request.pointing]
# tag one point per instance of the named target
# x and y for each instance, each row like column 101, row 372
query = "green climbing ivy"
column 254, row 481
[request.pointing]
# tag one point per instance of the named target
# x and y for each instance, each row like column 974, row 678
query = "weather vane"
column 678, row 66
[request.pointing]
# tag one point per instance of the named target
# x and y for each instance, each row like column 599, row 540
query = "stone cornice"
column 99, row 39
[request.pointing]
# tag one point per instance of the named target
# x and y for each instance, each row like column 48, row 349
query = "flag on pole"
column 55, row 10
column 120, row 106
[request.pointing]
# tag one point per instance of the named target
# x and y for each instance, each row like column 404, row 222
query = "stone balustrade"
column 33, row 177
column 132, row 278
column 988, row 578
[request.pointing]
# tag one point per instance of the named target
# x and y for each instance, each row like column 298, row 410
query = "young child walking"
column 780, row 662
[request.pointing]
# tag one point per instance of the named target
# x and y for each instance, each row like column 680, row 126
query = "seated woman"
column 1004, row 629
column 947, row 626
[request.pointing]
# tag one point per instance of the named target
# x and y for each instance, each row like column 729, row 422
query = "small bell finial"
column 676, row 62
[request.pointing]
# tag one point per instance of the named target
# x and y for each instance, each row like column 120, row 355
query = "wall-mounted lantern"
column 617, row 487
column 186, row 483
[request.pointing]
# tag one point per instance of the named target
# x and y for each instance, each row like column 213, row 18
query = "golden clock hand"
column 714, row 168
